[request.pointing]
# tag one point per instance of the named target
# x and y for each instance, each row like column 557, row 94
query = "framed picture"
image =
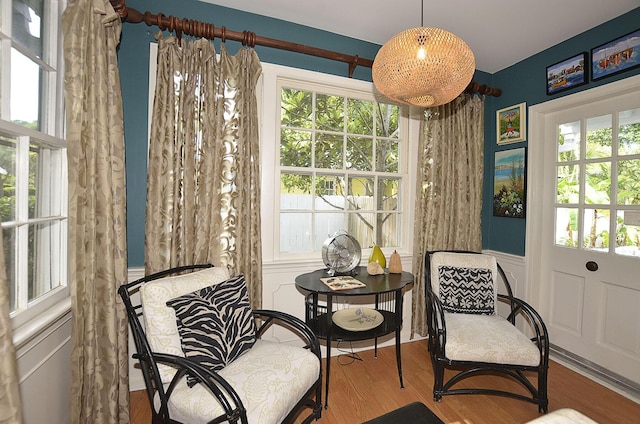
column 509, row 191
column 569, row 73
column 511, row 124
column 616, row 56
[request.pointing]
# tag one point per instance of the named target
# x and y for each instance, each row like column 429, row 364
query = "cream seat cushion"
column 488, row 338
column 270, row 378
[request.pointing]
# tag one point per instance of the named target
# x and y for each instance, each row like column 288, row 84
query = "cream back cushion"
column 160, row 319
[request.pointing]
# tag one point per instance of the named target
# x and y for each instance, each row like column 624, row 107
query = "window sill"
column 36, row 326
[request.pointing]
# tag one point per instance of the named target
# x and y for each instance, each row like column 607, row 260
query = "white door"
column 588, row 247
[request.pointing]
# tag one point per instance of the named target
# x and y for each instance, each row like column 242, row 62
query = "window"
column 597, row 189
column 340, row 163
column 33, row 173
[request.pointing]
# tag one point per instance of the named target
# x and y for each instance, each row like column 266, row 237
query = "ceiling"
column 500, row 32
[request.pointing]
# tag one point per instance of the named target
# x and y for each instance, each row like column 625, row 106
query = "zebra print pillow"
column 466, row 290
column 215, row 323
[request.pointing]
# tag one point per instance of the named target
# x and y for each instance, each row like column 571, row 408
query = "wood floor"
column 366, row 388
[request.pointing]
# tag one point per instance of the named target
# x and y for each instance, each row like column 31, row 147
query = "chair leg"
column 438, row 379
column 543, row 407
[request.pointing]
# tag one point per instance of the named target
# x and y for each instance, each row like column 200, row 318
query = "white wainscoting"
column 44, row 369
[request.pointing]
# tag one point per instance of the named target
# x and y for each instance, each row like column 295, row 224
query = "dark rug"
column 413, row 413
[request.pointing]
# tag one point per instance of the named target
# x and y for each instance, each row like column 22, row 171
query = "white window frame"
column 269, row 113
column 31, row 316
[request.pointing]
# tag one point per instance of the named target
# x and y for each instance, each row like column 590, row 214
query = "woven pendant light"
column 424, row 67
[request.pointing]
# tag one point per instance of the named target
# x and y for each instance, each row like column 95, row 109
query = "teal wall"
column 524, row 81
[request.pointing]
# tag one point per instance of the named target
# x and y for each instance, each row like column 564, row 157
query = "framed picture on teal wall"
column 511, row 124
column 569, row 73
column 616, row 56
column 509, row 191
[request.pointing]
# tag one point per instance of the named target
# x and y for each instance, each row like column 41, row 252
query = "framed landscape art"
column 511, row 123
column 509, row 192
column 569, row 73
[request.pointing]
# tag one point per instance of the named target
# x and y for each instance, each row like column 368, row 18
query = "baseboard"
column 600, row 375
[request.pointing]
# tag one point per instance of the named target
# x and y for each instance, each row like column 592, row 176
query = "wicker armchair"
column 268, row 382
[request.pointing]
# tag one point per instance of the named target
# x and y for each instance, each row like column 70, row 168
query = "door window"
column 597, row 204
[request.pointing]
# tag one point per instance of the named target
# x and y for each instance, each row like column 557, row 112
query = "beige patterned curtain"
column 203, row 182
column 449, row 188
column 97, row 221
column 10, row 404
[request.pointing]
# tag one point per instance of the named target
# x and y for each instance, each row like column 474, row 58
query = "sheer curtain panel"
column 449, row 188
column 10, row 404
column 203, row 181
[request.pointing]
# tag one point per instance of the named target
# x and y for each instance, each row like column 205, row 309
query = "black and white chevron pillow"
column 466, row 290
column 215, row 323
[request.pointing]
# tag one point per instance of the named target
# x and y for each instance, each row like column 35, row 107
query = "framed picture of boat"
column 616, row 56
column 511, row 124
column 569, row 73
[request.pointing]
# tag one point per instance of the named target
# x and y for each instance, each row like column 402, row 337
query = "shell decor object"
column 374, row 268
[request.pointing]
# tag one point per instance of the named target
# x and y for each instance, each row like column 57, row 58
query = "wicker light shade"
column 423, row 66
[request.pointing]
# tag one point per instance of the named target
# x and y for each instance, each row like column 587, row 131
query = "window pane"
column 596, row 229
column 296, row 108
column 329, row 193
column 568, row 188
column 361, row 194
column 388, row 190
column 629, row 182
column 566, row 227
column 599, row 136
column 25, row 90
column 361, row 227
column 36, row 194
column 297, row 238
column 8, row 178
column 44, row 238
column 326, row 225
column 359, row 153
column 569, row 141
column 359, row 116
column 329, row 151
column 26, row 27
column 9, row 247
column 629, row 132
column 628, row 233
column 387, row 156
column 295, row 191
column 597, row 183
column 329, row 113
column 387, row 121
column 295, row 148
column 390, row 224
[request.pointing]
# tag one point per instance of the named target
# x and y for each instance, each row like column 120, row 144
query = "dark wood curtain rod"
column 248, row 38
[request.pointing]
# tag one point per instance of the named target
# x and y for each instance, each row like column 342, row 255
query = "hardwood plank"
column 367, row 388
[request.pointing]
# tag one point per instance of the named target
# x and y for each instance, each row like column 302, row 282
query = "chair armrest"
column 521, row 308
column 436, row 324
column 290, row 322
column 216, row 384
